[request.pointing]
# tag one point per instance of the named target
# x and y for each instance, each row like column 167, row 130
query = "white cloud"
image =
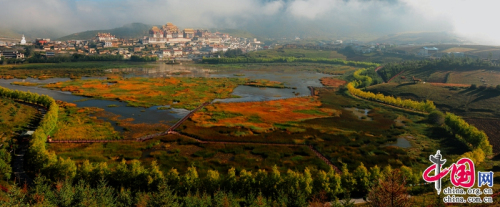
column 473, row 18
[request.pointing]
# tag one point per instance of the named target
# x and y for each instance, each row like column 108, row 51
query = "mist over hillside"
column 365, row 20
column 134, row 30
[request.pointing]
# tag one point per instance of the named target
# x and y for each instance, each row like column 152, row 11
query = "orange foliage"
column 65, row 104
column 328, row 81
column 268, row 112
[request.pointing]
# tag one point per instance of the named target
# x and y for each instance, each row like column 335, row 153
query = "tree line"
column 470, row 135
column 476, row 139
column 365, row 81
column 287, row 59
column 129, row 184
column 444, row 63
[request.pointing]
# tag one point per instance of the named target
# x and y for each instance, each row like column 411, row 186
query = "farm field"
column 478, row 77
column 145, row 92
column 490, row 127
column 460, row 100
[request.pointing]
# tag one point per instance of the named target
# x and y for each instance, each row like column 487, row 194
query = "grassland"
column 286, row 67
column 332, row 82
column 81, row 124
column 258, row 117
column 174, row 151
column 296, row 53
column 145, row 92
column 14, row 117
column 460, row 100
column 67, row 69
column 24, row 83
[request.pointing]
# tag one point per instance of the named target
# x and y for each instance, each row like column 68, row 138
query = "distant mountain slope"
column 134, row 30
column 420, row 38
column 9, row 34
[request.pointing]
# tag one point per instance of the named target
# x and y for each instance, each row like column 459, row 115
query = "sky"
column 470, row 18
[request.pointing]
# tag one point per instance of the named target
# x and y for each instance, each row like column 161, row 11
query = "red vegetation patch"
column 262, row 115
column 333, row 82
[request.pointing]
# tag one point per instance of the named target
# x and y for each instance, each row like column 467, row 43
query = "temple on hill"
column 101, row 37
column 168, row 33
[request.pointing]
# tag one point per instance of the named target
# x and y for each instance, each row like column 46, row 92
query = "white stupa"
column 23, row 41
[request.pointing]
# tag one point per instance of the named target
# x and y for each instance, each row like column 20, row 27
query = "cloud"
column 473, row 18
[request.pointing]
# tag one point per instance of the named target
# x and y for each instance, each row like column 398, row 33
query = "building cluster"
column 165, row 42
column 171, row 42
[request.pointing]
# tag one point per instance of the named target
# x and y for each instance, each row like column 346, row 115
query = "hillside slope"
column 134, row 30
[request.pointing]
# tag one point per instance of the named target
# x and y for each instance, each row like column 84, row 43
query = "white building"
column 23, row 41
column 428, row 51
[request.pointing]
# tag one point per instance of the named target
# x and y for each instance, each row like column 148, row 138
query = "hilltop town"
column 170, row 43
column 166, row 42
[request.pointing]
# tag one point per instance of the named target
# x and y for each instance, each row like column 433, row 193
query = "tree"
column 391, row 191
column 348, row 181
column 362, row 179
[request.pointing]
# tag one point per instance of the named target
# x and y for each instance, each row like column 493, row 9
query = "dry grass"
column 333, row 82
column 145, row 92
column 459, row 49
column 80, row 124
column 24, row 83
column 260, row 116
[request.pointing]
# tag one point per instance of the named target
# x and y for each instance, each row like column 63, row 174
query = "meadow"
column 284, row 52
column 81, row 124
column 66, row 69
column 14, row 117
column 330, row 69
column 179, row 152
column 146, row 92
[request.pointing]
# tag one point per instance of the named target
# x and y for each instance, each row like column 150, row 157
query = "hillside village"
column 166, row 42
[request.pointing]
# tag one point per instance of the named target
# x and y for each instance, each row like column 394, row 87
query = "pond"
column 402, row 142
column 360, row 113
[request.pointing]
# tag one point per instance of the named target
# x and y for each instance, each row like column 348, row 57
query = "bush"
column 473, row 86
column 436, row 117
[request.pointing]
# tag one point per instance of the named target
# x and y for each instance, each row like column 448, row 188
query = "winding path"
column 18, row 159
